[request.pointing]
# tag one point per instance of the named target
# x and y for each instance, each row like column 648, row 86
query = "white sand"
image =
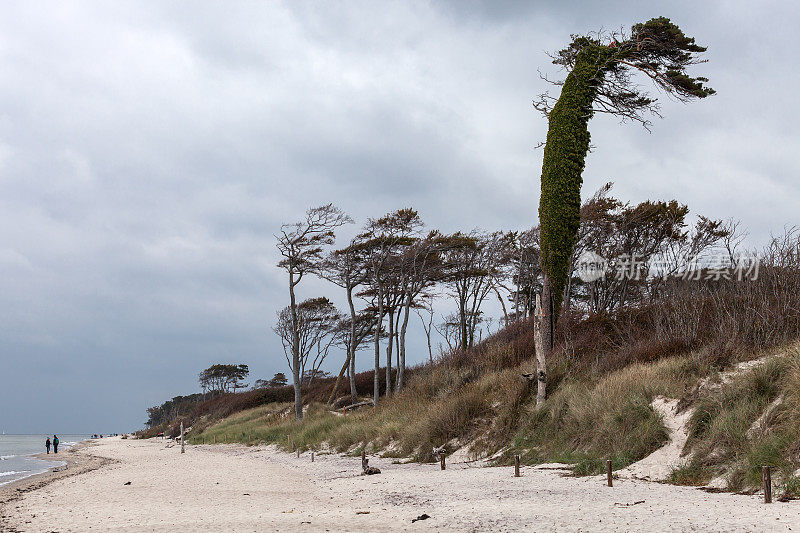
column 234, row 488
column 659, row 465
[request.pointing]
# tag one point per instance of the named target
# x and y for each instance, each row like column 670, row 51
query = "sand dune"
column 235, row 488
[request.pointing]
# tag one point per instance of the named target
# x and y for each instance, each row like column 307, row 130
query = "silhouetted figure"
column 55, row 444
column 47, row 444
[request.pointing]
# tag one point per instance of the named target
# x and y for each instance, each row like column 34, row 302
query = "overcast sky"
column 149, row 152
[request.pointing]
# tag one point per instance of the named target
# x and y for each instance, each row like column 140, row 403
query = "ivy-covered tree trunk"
column 564, row 155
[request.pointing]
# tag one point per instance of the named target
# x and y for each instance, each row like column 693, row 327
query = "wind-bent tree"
column 525, row 272
column 474, row 262
column 301, row 245
column 600, row 79
column 277, row 381
column 379, row 243
column 420, row 268
column 222, row 378
column 347, row 268
column 316, row 329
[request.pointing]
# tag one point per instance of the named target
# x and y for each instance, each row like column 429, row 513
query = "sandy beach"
column 237, row 488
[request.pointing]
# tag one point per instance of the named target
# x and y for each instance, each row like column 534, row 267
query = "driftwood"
column 347, row 407
column 359, row 404
column 367, row 470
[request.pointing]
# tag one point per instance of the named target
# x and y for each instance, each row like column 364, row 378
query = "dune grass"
column 587, row 423
column 583, row 422
column 750, row 422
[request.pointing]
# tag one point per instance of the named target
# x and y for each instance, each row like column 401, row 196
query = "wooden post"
column 767, row 477
column 204, row 439
column 441, row 458
column 312, row 457
column 183, row 450
column 516, row 466
column 298, row 453
column 363, row 459
column 344, row 409
column 608, row 473
column 249, row 438
column 215, row 438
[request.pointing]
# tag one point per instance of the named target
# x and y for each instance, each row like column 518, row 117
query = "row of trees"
column 223, row 378
column 393, row 267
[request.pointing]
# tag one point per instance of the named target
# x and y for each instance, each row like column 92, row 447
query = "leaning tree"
column 301, row 246
column 600, row 78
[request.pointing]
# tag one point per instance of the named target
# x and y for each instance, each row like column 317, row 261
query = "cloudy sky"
column 149, row 152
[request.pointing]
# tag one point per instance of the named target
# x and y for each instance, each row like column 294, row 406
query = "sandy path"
column 233, row 488
column 659, row 465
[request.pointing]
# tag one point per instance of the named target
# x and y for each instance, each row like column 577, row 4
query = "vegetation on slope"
column 749, row 422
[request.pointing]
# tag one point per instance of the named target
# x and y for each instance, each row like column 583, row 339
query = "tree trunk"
column 503, row 305
column 396, row 347
column 401, row 368
column 351, row 345
column 346, row 364
column 567, row 300
column 547, row 318
column 541, row 356
column 462, row 317
column 353, row 390
column 389, row 353
column 376, row 382
column 298, row 399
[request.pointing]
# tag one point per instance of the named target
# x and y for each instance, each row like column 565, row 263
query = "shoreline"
column 151, row 486
column 75, row 463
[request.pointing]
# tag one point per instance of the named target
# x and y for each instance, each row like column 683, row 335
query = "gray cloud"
column 148, row 152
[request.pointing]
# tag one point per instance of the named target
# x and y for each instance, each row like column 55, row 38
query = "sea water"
column 17, row 451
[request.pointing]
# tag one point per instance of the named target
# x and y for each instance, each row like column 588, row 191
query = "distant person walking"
column 47, row 444
column 55, row 444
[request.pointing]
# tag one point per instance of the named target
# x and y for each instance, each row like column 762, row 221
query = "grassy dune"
column 749, row 422
column 484, row 406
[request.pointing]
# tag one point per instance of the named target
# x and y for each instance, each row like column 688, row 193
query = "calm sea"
column 16, row 453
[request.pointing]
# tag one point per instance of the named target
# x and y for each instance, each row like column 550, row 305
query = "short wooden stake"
column 249, row 438
column 516, row 466
column 312, row 457
column 363, row 459
column 183, row 450
column 441, row 458
column 204, row 439
column 608, row 473
column 215, row 439
column 767, row 477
